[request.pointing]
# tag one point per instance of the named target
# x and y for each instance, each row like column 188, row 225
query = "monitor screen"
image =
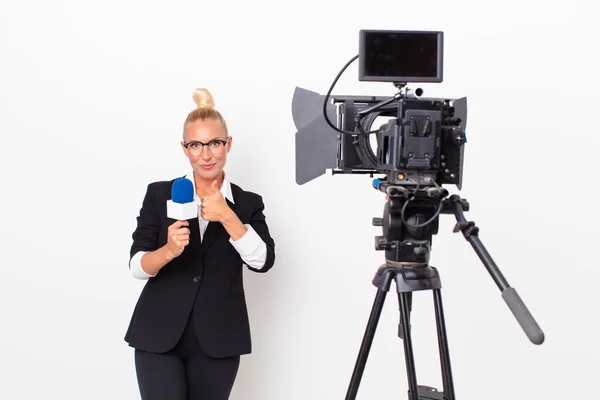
column 400, row 56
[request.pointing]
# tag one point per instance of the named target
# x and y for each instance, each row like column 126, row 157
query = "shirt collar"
column 225, row 187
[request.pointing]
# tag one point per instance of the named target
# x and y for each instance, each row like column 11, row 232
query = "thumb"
column 215, row 186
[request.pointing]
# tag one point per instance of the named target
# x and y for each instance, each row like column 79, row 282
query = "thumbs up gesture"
column 214, row 207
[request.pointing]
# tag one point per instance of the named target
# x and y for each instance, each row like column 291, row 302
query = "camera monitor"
column 400, row 56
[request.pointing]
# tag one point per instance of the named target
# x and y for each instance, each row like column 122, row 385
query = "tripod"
column 410, row 220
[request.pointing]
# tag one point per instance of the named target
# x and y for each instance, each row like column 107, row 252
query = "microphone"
column 182, row 205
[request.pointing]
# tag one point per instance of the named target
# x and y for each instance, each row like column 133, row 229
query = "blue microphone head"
column 182, row 191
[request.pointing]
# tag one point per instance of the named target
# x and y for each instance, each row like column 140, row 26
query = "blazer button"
column 196, row 279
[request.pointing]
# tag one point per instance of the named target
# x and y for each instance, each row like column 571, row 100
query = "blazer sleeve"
column 258, row 222
column 145, row 236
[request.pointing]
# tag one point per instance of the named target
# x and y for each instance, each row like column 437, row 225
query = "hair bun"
column 204, row 99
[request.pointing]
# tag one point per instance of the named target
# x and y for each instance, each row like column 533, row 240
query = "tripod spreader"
column 408, row 280
column 509, row 294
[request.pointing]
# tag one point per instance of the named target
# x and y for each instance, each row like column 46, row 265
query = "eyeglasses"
column 216, row 146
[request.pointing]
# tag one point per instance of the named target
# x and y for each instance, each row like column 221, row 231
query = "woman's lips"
column 208, row 166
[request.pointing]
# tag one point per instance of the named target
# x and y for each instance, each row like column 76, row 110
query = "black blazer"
column 204, row 282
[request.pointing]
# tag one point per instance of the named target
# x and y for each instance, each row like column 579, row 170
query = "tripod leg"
column 366, row 344
column 443, row 345
column 405, row 299
column 400, row 329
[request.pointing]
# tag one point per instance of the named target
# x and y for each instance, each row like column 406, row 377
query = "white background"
column 93, row 96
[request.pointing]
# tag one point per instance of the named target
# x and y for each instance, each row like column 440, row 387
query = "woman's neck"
column 204, row 186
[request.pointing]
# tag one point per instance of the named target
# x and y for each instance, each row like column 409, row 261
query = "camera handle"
column 509, row 294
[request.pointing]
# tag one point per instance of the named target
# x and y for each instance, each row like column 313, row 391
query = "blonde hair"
column 205, row 109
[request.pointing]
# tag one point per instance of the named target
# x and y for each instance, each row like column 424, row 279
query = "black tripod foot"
column 428, row 393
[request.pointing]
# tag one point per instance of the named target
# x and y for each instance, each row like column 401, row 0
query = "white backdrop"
column 92, row 100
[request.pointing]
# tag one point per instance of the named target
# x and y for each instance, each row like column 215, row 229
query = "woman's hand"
column 178, row 236
column 214, row 207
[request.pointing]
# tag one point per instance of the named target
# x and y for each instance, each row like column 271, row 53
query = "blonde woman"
column 190, row 325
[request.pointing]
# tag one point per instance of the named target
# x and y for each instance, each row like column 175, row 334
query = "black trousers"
column 185, row 373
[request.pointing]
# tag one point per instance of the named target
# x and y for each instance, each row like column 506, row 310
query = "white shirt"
column 251, row 247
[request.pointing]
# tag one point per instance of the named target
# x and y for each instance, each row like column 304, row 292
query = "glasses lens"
column 195, row 148
column 215, row 147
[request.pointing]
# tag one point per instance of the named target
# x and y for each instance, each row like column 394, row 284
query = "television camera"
column 418, row 150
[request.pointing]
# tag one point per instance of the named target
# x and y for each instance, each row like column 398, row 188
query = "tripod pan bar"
column 509, row 294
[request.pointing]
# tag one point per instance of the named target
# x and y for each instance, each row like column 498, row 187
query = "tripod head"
column 410, row 219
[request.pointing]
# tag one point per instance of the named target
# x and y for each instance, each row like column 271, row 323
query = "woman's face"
column 209, row 159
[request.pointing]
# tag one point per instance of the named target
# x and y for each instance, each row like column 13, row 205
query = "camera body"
column 418, row 149
column 421, row 143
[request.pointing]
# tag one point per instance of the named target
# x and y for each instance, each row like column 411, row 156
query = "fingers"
column 177, row 243
column 178, row 237
column 205, row 214
column 182, row 242
column 178, row 227
column 180, row 232
column 215, row 192
column 178, row 224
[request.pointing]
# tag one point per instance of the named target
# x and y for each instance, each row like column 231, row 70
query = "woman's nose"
column 205, row 154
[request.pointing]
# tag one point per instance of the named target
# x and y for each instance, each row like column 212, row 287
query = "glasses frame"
column 223, row 142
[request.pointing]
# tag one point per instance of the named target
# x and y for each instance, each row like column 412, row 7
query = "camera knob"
column 420, row 251
column 380, row 243
column 459, row 138
column 377, row 221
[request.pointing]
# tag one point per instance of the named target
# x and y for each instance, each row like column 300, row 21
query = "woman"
column 190, row 324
